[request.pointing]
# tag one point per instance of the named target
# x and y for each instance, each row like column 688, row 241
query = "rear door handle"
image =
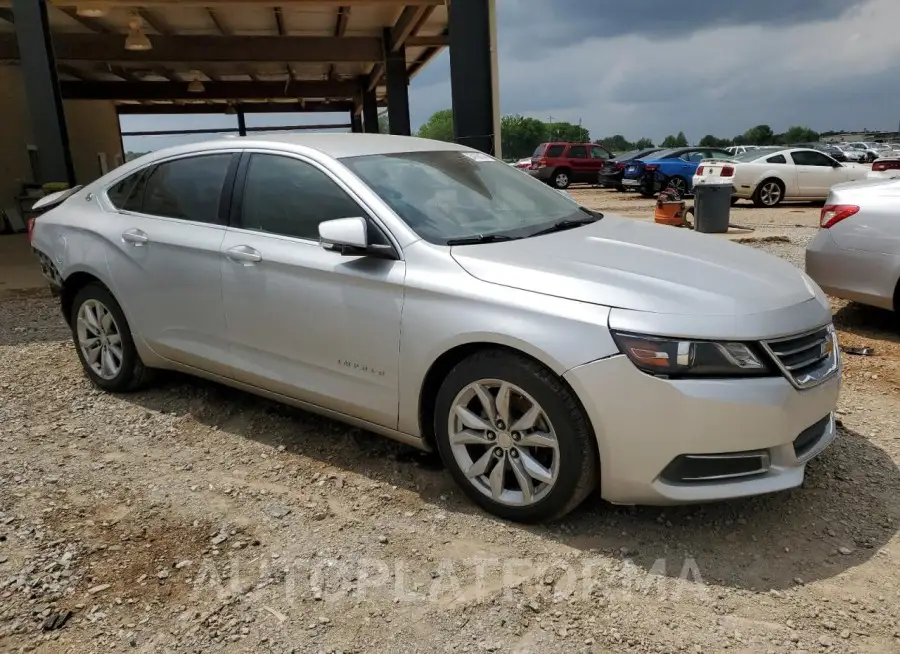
column 135, row 237
column 243, row 254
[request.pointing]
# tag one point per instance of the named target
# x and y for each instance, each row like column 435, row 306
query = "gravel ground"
column 194, row 518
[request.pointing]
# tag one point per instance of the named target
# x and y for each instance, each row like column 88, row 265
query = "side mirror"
column 344, row 234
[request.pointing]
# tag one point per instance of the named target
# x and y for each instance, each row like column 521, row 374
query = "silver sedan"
column 856, row 253
column 433, row 294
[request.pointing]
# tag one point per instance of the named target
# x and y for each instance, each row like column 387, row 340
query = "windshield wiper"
column 567, row 224
column 479, row 238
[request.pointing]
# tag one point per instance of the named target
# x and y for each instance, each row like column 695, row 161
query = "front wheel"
column 103, row 341
column 514, row 437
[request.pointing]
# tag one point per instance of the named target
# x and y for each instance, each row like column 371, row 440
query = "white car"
column 887, row 167
column 769, row 176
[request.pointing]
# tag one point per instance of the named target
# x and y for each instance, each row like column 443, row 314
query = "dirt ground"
column 194, row 518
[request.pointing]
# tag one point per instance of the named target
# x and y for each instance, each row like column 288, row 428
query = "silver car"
column 856, row 253
column 433, row 294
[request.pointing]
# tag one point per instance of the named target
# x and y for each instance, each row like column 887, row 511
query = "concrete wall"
column 92, row 124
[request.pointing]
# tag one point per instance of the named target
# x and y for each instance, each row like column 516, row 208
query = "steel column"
column 45, row 106
column 242, row 122
column 472, row 74
column 356, row 124
column 370, row 111
column 397, row 87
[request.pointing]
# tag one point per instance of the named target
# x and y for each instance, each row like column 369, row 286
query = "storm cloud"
column 650, row 68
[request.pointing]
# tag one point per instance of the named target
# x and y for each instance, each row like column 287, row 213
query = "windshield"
column 753, row 155
column 448, row 195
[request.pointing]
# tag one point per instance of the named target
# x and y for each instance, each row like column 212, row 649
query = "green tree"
column 759, row 135
column 519, row 136
column 616, row 143
column 439, row 126
column 799, row 134
column 383, row 123
column 562, row 131
column 710, row 141
column 643, row 144
column 679, row 141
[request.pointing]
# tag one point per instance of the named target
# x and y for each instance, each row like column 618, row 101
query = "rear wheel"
column 679, row 185
column 561, row 178
column 514, row 437
column 103, row 341
column 769, row 193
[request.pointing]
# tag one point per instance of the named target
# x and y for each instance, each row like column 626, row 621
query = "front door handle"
column 135, row 237
column 243, row 254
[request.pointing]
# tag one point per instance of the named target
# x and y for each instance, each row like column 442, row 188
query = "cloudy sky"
column 651, row 68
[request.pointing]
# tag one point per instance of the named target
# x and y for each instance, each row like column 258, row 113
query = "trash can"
column 712, row 207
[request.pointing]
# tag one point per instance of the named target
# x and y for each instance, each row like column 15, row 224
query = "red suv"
column 561, row 164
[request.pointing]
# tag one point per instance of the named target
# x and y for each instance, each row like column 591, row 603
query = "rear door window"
column 189, row 188
column 599, row 153
column 577, row 152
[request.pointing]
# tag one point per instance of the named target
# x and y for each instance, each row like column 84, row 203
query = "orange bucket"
column 669, row 213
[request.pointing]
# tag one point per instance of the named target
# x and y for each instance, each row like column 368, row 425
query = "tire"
column 765, row 195
column 647, row 188
column 568, row 471
column 561, row 178
column 680, row 184
column 131, row 374
column 621, row 188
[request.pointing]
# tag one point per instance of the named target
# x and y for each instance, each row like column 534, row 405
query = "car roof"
column 336, row 145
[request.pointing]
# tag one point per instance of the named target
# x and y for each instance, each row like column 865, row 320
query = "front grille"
column 693, row 468
column 807, row 359
column 810, row 437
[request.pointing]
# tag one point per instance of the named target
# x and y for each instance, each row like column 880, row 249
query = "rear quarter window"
column 555, row 150
column 777, row 159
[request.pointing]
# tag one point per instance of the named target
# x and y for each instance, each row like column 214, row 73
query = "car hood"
column 629, row 264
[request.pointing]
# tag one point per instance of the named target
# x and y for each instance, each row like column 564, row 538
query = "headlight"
column 675, row 357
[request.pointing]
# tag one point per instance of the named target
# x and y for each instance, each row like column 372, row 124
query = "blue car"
column 674, row 168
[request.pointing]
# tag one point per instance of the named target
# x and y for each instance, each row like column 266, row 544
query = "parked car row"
column 768, row 176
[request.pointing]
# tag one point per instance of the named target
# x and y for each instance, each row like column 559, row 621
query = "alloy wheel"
column 678, row 185
column 99, row 339
column 562, row 180
column 503, row 442
column 770, row 194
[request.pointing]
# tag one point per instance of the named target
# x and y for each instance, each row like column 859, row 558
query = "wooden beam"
column 182, row 49
column 128, row 4
column 404, row 26
column 214, row 90
column 279, row 21
column 217, row 21
column 93, row 24
column 433, row 41
column 154, row 21
column 71, row 71
column 340, row 28
column 232, row 130
column 422, row 61
column 375, row 76
column 247, row 107
column 124, row 73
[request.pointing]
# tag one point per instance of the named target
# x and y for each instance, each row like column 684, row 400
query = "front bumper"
column 644, row 423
